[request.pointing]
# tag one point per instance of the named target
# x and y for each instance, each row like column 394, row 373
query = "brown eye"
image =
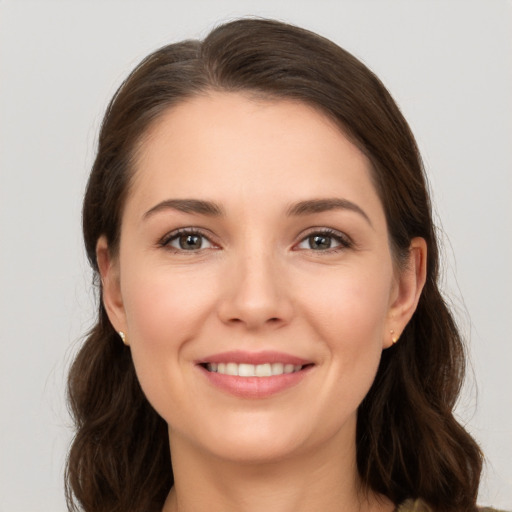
column 325, row 240
column 190, row 242
column 187, row 241
column 319, row 242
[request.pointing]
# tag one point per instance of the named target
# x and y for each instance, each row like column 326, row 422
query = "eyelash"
column 176, row 234
column 343, row 240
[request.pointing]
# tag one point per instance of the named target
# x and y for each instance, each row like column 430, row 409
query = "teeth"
column 231, row 369
column 262, row 370
column 253, row 370
column 288, row 368
column 247, row 370
column 277, row 368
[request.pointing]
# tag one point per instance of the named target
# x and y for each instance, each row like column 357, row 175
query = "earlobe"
column 111, row 288
column 407, row 293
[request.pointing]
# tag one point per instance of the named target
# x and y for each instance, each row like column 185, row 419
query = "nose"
column 256, row 293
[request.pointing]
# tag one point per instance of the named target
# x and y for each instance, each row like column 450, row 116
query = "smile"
column 253, row 370
column 254, row 375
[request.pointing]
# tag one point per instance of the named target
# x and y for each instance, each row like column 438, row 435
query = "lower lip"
column 255, row 387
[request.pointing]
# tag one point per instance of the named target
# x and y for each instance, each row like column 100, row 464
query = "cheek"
column 164, row 310
column 349, row 318
column 350, row 306
column 163, row 304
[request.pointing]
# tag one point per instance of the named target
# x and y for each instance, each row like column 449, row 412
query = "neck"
column 320, row 479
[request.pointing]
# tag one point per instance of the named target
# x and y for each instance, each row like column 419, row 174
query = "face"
column 254, row 278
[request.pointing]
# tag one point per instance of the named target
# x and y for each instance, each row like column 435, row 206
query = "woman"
column 259, row 223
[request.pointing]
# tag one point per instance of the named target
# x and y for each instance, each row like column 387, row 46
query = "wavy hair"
column 409, row 444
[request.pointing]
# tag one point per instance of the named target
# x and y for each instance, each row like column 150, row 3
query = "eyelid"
column 345, row 242
column 191, row 230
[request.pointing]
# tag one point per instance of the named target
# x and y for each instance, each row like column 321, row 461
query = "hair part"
column 408, row 443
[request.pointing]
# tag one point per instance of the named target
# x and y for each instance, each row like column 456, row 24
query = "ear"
column 407, row 291
column 111, row 286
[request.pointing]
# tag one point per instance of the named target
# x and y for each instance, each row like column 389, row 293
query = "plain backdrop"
column 447, row 63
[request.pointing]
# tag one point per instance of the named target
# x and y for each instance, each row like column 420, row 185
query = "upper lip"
column 262, row 357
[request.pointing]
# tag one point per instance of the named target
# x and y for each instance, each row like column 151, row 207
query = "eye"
column 188, row 240
column 324, row 240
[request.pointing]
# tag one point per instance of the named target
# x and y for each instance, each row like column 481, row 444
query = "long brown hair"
column 408, row 443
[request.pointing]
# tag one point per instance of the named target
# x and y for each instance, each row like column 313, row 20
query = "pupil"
column 190, row 242
column 320, row 242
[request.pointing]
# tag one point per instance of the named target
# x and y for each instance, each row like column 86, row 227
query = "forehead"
column 233, row 145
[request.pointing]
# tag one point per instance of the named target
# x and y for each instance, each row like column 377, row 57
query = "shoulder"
column 421, row 506
column 413, row 506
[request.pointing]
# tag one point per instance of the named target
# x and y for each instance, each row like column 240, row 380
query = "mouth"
column 254, row 375
column 253, row 370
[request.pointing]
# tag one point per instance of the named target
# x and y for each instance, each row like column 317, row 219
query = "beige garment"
column 421, row 506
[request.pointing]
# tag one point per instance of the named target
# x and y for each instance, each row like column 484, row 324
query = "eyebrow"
column 312, row 206
column 187, row 206
column 212, row 209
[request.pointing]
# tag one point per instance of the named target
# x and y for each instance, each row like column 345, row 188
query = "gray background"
column 447, row 63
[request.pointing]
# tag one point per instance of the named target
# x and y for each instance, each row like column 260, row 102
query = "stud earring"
column 394, row 337
column 122, row 335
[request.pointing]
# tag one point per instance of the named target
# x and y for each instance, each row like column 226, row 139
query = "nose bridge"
column 256, row 291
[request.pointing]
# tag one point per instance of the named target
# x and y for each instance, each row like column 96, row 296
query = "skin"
column 258, row 283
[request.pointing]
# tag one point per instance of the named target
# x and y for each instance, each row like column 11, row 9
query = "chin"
column 256, row 450
column 242, row 437
column 263, row 438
